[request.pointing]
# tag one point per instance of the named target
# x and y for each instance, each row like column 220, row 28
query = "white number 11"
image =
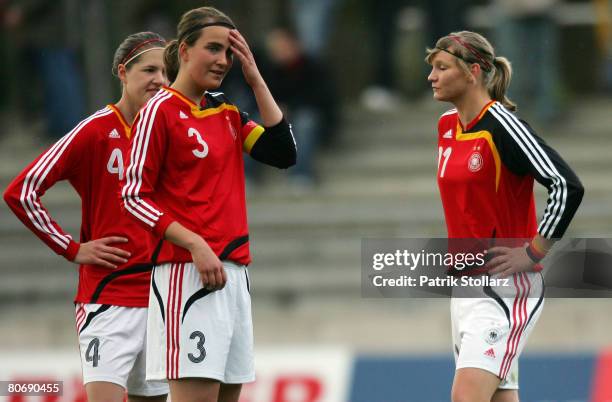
column 446, row 154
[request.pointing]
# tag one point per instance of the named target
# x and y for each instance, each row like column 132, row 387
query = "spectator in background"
column 440, row 17
column 313, row 20
column 381, row 93
column 444, row 16
column 8, row 71
column 304, row 89
column 155, row 15
column 528, row 34
column 603, row 30
column 51, row 49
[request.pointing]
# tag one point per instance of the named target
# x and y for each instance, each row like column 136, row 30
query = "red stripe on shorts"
column 518, row 325
column 169, row 324
column 523, row 316
column 512, row 329
column 179, row 284
column 80, row 314
column 175, row 308
column 517, row 334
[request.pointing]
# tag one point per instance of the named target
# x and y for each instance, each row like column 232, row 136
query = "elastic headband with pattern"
column 132, row 54
column 487, row 66
column 201, row 26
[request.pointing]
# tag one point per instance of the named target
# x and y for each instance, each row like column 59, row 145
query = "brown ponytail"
column 171, row 60
column 189, row 30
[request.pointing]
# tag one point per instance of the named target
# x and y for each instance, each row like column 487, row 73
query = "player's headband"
column 486, row 65
column 201, row 26
column 132, row 54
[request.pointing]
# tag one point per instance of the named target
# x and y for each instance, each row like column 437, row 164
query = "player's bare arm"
column 208, row 264
column 268, row 109
column 101, row 252
column 508, row 261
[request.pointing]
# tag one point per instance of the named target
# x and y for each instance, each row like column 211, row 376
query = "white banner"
column 287, row 374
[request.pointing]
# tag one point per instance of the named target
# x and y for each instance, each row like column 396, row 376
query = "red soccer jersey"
column 486, row 172
column 186, row 165
column 91, row 157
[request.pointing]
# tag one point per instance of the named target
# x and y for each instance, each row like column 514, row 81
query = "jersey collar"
column 476, row 119
column 126, row 127
column 201, row 110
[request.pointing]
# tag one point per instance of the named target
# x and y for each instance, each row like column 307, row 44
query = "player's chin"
column 439, row 96
column 212, row 82
column 148, row 95
column 217, row 79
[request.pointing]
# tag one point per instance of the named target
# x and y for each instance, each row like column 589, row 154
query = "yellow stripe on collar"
column 489, row 138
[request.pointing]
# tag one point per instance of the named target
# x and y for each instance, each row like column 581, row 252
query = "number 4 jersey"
column 91, row 157
column 486, row 172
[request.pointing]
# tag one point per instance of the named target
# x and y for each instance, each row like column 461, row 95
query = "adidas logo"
column 183, row 115
column 490, row 353
column 448, row 134
column 113, row 134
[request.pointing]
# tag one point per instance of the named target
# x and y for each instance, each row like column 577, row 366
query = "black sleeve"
column 524, row 152
column 276, row 146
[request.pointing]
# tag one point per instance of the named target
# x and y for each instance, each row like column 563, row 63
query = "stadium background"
column 317, row 338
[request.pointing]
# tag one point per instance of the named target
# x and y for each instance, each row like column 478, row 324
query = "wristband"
column 535, row 255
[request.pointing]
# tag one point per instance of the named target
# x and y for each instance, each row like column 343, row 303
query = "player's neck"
column 470, row 106
column 184, row 85
column 128, row 111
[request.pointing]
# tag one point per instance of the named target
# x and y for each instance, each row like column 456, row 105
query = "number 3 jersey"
column 486, row 172
column 187, row 166
column 91, row 157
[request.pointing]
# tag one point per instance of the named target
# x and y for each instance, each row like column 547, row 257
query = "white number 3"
column 200, row 153
column 115, row 163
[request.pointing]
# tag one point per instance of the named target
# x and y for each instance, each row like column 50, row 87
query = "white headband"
column 140, row 53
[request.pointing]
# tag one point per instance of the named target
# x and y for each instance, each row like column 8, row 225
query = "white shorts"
column 112, row 343
column 490, row 332
column 193, row 332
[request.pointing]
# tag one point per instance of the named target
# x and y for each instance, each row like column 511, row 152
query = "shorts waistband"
column 226, row 264
column 233, row 265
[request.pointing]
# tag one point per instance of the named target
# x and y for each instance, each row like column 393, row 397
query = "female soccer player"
column 488, row 159
column 185, row 182
column 114, row 253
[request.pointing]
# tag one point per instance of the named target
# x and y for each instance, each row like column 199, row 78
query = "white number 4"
column 115, row 163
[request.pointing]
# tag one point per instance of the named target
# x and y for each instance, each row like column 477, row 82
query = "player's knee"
column 229, row 392
column 465, row 394
column 102, row 391
column 505, row 396
column 157, row 398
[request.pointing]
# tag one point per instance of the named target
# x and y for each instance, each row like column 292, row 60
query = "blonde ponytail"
column 500, row 82
column 471, row 47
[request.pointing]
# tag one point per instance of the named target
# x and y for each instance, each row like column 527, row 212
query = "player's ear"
column 121, row 72
column 182, row 52
column 475, row 72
